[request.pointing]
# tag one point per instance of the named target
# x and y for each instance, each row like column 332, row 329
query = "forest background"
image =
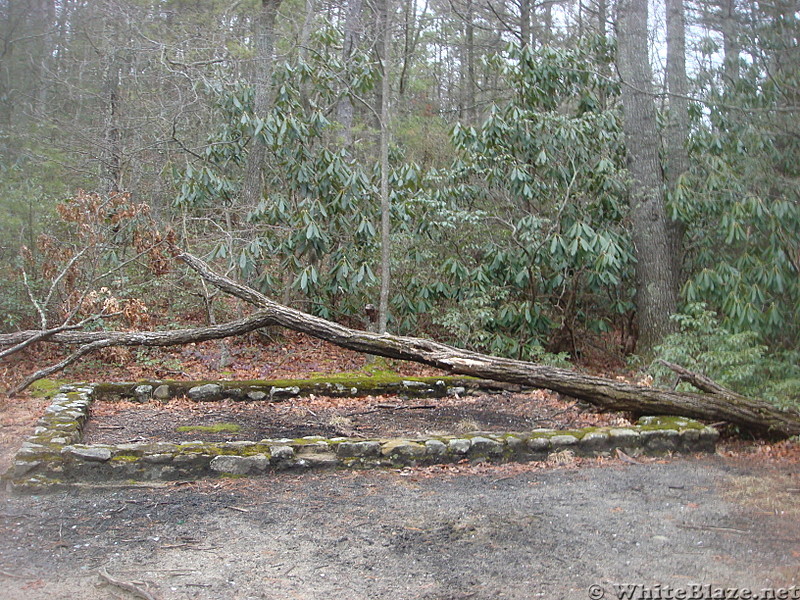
column 550, row 180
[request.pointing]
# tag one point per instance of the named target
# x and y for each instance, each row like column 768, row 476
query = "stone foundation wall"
column 53, row 454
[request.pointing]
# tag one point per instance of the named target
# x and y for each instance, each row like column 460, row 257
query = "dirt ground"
column 478, row 533
column 450, row 532
column 371, row 416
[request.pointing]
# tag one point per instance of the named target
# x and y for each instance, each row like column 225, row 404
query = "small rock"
column 539, row 443
column 594, row 439
column 157, row 459
column 88, row 453
column 278, row 393
column 143, row 393
column 205, row 393
column 483, row 445
column 358, row 449
column 660, row 538
column 161, row 392
column 563, row 440
column 459, row 446
column 435, row 447
column 402, row 448
column 282, row 452
column 235, row 465
column 256, row 395
column 623, row 437
column 513, row 442
column 23, row 467
column 259, row 462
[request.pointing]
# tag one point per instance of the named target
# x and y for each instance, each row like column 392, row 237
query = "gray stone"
column 690, row 435
column 483, row 445
column 157, row 459
column 88, row 453
column 238, row 445
column 256, row 395
column 162, row 392
column 191, row 460
column 23, row 467
column 260, row 462
column 459, row 446
column 660, row 440
column 205, row 393
column 357, row 449
column 595, row 439
column 319, row 460
column 59, row 440
column 235, row 465
column 282, row 452
column 563, row 440
column 402, row 448
column 278, row 393
column 435, row 447
column 623, row 437
column 414, row 384
column 539, row 443
column 143, row 393
column 709, row 433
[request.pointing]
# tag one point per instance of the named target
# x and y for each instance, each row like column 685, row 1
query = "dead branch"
column 127, row 586
column 94, row 340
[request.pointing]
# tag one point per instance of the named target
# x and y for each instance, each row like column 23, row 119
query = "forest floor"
column 546, row 530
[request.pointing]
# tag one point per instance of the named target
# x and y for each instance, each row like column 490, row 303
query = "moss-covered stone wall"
column 53, row 455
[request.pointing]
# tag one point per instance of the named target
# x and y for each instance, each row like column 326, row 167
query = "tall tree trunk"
column 253, row 185
column 469, row 37
column 42, row 22
column 677, row 130
column 730, row 41
column 383, row 307
column 525, row 22
column 112, row 161
column 352, row 35
column 655, row 290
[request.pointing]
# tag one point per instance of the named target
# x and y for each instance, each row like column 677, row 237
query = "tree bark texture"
column 655, row 283
column 352, row 36
column 718, row 404
column 677, row 130
column 386, row 240
column 253, row 185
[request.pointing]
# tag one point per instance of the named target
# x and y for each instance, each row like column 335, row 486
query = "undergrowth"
column 739, row 361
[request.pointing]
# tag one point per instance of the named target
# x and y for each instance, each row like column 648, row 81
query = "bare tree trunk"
column 383, row 307
column 677, row 130
column 112, row 161
column 730, row 41
column 655, row 289
column 253, row 185
column 469, row 36
column 352, row 34
column 525, row 22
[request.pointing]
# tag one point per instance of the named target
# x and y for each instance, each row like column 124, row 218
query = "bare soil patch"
column 368, row 417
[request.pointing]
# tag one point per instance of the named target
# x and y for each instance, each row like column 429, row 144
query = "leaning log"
column 717, row 404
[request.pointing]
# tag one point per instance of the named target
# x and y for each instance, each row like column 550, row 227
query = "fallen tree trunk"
column 718, row 405
column 95, row 340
